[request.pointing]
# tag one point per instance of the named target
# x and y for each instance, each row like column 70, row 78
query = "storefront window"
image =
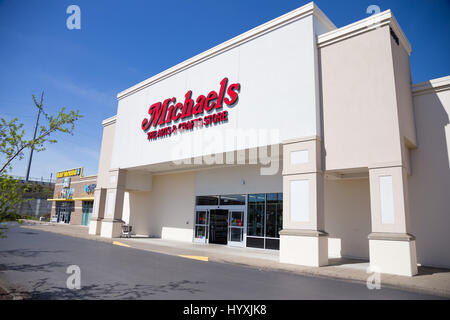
column 274, row 214
column 200, row 232
column 63, row 211
column 237, row 219
column 255, row 215
column 201, row 217
column 264, row 220
column 207, row 200
column 233, row 200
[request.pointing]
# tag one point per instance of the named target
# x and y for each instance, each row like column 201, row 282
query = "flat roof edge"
column 304, row 11
column 109, row 121
column 373, row 22
column 433, row 85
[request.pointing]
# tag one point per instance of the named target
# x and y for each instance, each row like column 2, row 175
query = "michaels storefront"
column 295, row 135
column 252, row 220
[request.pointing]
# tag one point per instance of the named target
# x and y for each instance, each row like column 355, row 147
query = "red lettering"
column 162, row 113
column 210, row 98
column 169, row 110
column 233, row 93
column 169, row 114
column 198, row 108
column 174, row 113
column 155, row 112
column 223, row 85
column 188, row 103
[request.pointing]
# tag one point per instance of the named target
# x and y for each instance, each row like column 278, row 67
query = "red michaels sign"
column 163, row 114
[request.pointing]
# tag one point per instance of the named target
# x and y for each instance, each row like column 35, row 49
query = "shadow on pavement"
column 46, row 267
column 26, row 253
column 114, row 291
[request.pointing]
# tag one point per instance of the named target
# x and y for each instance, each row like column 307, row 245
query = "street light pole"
column 34, row 137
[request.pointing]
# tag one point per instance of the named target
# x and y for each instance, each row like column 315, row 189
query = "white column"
column 303, row 240
column 98, row 211
column 392, row 248
column 112, row 222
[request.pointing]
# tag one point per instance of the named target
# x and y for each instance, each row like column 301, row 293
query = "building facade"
column 296, row 136
column 73, row 199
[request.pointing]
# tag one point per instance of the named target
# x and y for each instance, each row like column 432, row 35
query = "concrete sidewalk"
column 430, row 280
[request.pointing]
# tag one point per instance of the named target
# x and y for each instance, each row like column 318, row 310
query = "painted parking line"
column 201, row 258
column 117, row 243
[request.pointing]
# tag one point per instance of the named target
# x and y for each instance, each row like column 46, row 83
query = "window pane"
column 201, row 217
column 87, row 206
column 255, row 242
column 207, row 200
column 236, row 234
column 271, row 221
column 233, row 199
column 256, row 198
column 272, row 197
column 279, row 214
column 237, row 219
column 274, row 214
column 255, row 215
column 273, row 244
column 200, row 232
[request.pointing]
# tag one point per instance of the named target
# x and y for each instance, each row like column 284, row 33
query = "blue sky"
column 124, row 42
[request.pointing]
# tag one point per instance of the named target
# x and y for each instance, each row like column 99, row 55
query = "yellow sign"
column 70, row 173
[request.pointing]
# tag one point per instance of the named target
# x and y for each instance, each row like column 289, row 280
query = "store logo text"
column 169, row 111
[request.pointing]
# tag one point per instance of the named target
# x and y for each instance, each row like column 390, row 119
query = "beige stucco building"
column 295, row 135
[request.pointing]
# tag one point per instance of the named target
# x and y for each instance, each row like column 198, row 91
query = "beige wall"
column 230, row 181
column 139, row 206
column 402, row 78
column 109, row 126
column 168, row 210
column 429, row 184
column 360, row 120
column 347, row 217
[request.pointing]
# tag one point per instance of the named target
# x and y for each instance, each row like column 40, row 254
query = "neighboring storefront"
column 73, row 198
column 295, row 136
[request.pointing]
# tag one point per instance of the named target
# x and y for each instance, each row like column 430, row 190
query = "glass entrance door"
column 236, row 228
column 218, row 226
column 63, row 211
column 201, row 226
column 221, row 224
column 87, row 212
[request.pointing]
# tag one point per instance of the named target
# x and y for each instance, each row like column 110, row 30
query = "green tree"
column 13, row 144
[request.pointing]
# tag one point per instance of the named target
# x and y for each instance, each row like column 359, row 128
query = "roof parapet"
column 109, row 121
column 299, row 13
column 434, row 85
column 370, row 23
